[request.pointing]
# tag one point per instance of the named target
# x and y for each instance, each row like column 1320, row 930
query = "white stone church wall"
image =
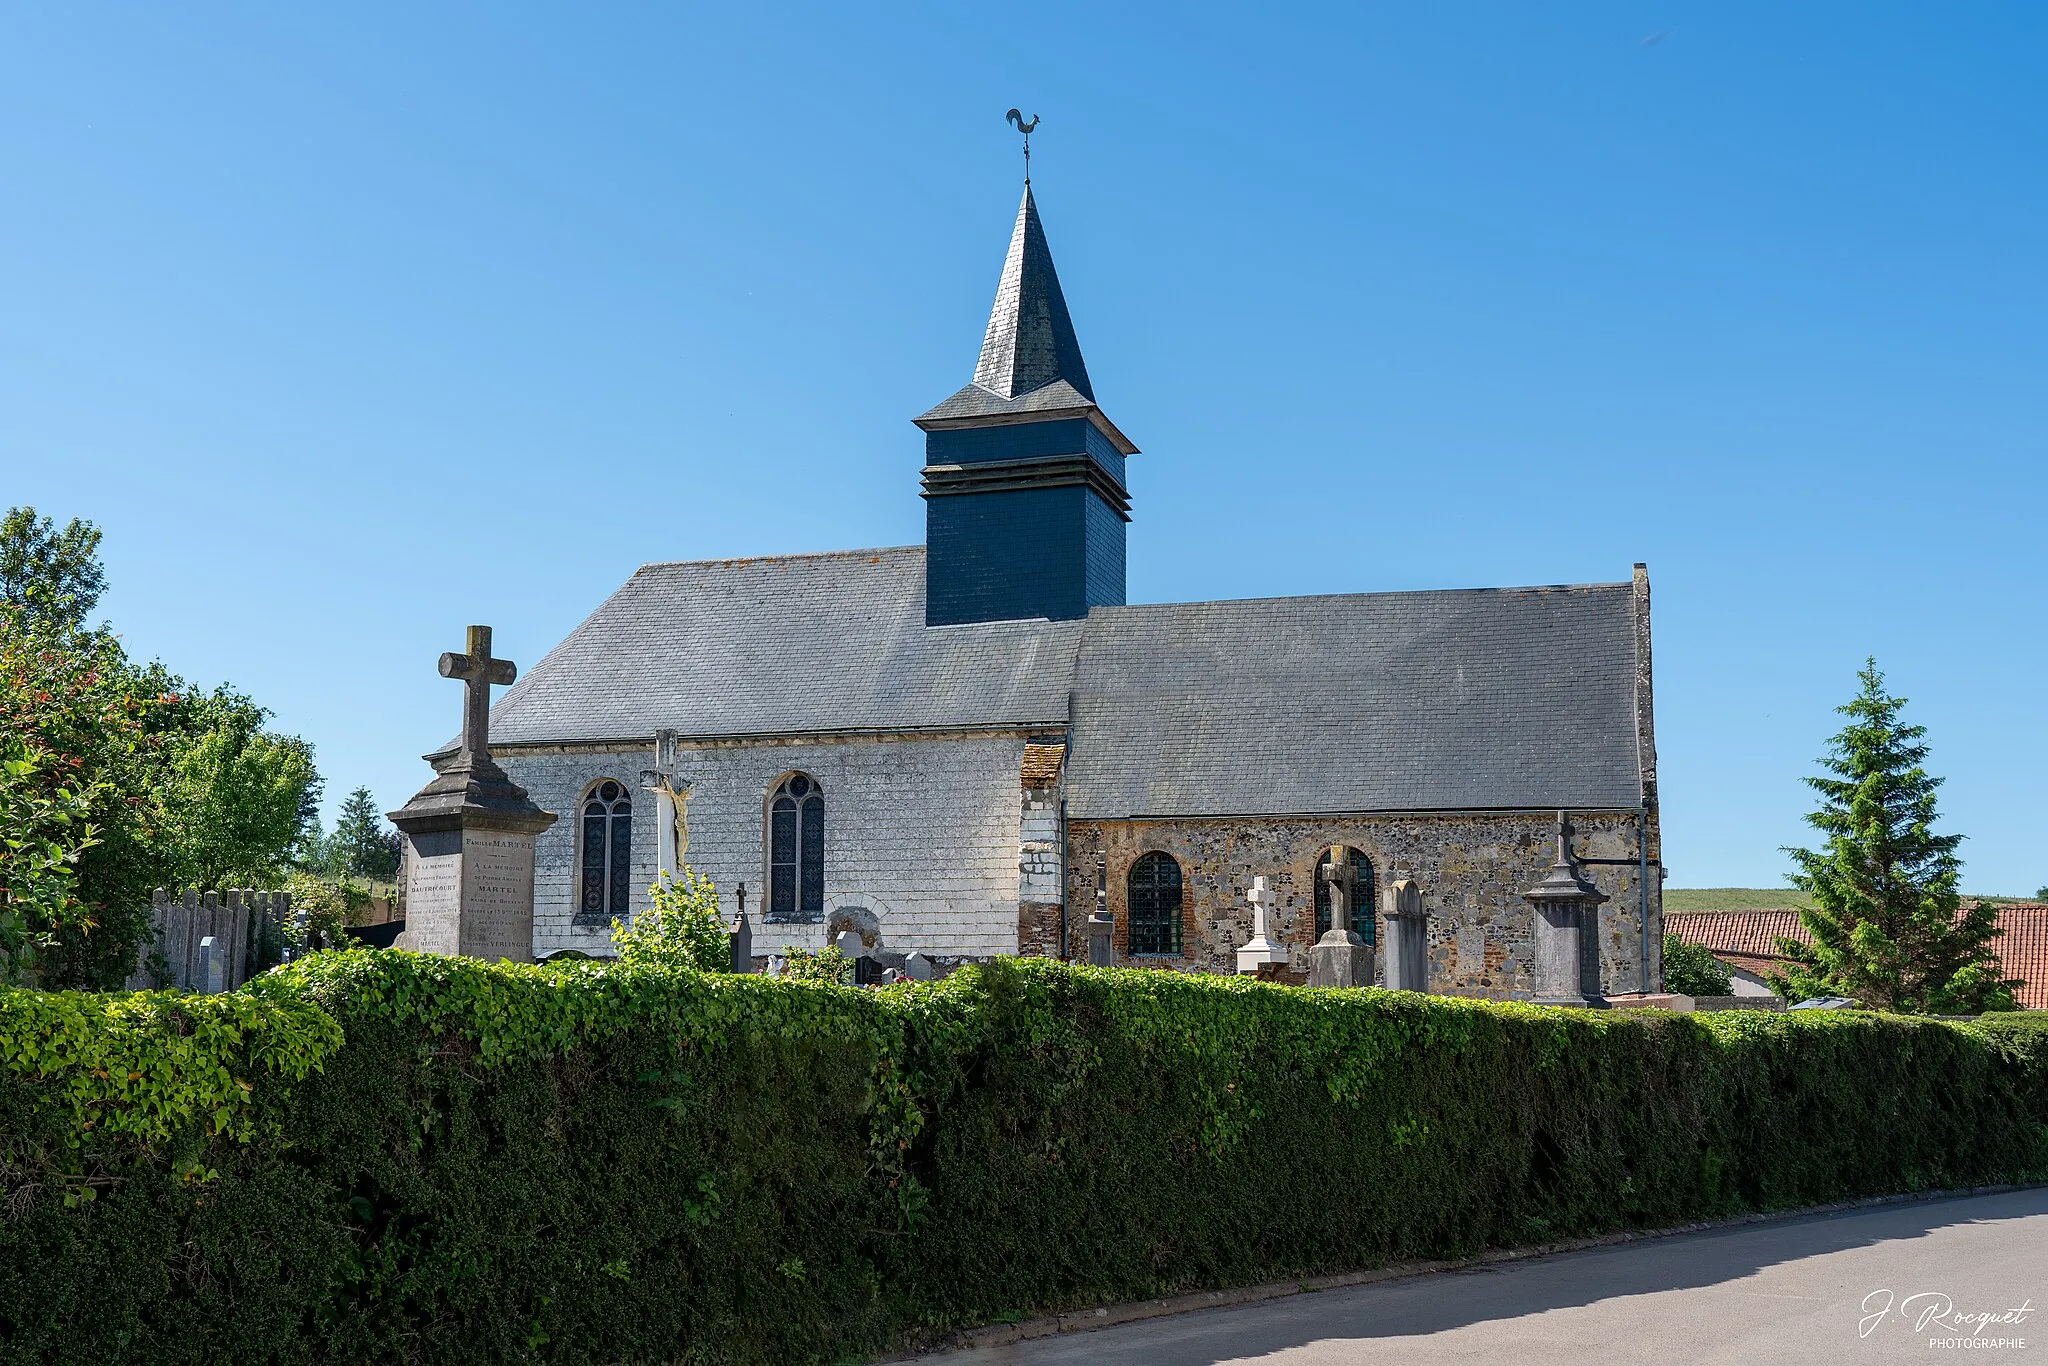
column 922, row 832
column 557, row 780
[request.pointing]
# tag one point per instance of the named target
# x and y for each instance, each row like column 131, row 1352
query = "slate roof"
column 781, row 645
column 1030, row 366
column 1457, row 700
column 1748, row 940
column 1450, row 700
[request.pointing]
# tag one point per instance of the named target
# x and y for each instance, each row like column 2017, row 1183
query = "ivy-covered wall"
column 385, row 1157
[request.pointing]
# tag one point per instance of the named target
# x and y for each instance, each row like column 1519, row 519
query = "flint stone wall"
column 1471, row 868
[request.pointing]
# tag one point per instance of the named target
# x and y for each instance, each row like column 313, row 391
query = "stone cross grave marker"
column 1101, row 925
column 1261, row 947
column 469, row 882
column 1340, row 958
column 1567, row 910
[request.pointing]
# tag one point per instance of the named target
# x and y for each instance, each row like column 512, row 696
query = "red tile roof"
column 1747, row 940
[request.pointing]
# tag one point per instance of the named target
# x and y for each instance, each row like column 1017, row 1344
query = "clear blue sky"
column 352, row 325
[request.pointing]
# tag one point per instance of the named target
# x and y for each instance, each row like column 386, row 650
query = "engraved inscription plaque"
column 497, row 895
column 433, row 894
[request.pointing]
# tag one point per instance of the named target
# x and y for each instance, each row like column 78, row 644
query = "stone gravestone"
column 1261, row 947
column 742, row 942
column 1567, row 947
column 212, row 968
column 1340, row 958
column 1101, row 925
column 469, row 881
column 1407, row 937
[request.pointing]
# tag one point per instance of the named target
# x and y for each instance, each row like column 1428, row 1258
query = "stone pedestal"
column 1340, row 959
column 469, row 870
column 1101, row 924
column 469, row 893
column 1567, row 966
column 1101, row 932
column 1406, row 938
column 1559, row 972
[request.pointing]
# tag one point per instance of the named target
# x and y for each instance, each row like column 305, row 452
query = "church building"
column 945, row 746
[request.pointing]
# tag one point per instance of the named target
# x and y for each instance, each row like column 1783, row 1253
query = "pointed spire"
column 1030, row 368
column 1030, row 341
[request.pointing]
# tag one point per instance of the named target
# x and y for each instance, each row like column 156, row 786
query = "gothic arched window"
column 607, row 863
column 796, row 850
column 1154, row 899
column 1361, row 896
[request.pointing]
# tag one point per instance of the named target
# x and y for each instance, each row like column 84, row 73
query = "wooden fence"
column 206, row 941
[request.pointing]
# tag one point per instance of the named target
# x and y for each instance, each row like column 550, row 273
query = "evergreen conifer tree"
column 360, row 845
column 1887, row 922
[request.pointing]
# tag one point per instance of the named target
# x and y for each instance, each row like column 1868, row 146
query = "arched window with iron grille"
column 1362, row 918
column 1154, row 905
column 796, row 850
column 606, row 866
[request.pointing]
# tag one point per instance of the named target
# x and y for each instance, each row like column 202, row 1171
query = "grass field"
column 1758, row 898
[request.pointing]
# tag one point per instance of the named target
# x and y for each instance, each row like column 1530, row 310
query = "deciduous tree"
column 50, row 573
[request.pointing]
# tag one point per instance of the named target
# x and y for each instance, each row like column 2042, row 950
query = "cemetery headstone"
column 1407, row 936
column 742, row 941
column 1567, row 948
column 1101, row 926
column 469, row 874
column 1340, row 958
column 1261, row 948
column 212, row 967
column 917, row 968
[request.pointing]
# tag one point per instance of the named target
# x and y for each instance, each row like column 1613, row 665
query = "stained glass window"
column 1361, row 896
column 796, row 851
column 1154, row 887
column 607, row 862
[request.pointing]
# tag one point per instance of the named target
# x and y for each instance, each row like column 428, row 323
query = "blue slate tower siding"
column 1030, row 553
column 1102, row 552
column 1022, row 441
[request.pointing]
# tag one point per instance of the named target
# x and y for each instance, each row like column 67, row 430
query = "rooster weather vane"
column 1016, row 118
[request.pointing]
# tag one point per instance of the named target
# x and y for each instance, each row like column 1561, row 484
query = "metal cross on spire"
column 1016, row 118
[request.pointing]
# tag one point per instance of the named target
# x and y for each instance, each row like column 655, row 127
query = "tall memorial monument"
column 469, row 878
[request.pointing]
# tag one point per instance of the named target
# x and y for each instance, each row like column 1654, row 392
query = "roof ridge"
column 1379, row 593
column 735, row 560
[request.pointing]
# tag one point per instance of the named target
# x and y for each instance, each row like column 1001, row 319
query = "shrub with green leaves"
column 384, row 1156
column 827, row 965
column 1692, row 969
column 682, row 927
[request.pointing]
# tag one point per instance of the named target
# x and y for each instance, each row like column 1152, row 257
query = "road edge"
column 1135, row 1311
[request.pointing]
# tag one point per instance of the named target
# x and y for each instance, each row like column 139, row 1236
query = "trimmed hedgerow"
column 381, row 1156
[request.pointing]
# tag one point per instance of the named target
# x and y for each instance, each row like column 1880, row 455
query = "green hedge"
column 380, row 1156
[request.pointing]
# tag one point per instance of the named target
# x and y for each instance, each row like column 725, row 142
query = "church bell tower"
column 1024, row 491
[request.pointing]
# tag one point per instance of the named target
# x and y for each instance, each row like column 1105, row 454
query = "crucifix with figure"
column 470, row 832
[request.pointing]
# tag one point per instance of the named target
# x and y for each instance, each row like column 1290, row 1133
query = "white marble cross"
column 1260, row 948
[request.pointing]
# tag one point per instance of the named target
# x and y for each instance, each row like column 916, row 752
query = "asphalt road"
column 1804, row 1290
